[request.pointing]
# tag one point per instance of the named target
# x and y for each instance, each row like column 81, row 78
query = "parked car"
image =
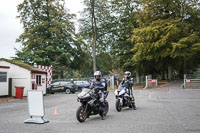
column 82, row 84
column 62, row 86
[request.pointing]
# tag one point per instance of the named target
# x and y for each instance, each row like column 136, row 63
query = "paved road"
column 159, row 111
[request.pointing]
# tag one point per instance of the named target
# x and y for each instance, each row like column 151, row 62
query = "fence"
column 112, row 80
column 192, row 81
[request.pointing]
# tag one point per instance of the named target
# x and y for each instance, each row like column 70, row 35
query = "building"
column 16, row 73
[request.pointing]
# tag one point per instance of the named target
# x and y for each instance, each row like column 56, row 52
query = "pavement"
column 6, row 99
column 160, row 110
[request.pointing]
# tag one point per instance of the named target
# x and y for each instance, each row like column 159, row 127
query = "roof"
column 24, row 65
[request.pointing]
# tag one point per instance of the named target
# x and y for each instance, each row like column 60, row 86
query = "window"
column 3, row 76
column 38, row 79
column 64, row 83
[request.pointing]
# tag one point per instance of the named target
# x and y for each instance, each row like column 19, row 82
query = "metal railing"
column 192, row 80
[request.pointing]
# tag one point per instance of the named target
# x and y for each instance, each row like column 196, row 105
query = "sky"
column 10, row 27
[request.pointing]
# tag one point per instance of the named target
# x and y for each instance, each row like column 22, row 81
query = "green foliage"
column 147, row 35
column 124, row 20
column 96, row 27
column 104, row 63
column 166, row 35
column 49, row 35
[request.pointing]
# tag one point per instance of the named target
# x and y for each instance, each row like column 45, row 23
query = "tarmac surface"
column 159, row 110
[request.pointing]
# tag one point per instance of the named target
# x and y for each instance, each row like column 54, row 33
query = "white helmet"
column 97, row 75
column 128, row 73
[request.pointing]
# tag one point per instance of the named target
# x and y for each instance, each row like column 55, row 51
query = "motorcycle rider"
column 128, row 83
column 98, row 84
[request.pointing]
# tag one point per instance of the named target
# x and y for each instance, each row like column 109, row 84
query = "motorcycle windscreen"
column 122, row 92
column 84, row 92
column 121, row 88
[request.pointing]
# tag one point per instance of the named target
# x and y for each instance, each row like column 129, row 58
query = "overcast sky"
column 10, row 27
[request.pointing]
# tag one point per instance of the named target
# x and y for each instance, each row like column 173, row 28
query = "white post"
column 112, row 82
column 146, row 82
column 156, row 82
column 184, row 79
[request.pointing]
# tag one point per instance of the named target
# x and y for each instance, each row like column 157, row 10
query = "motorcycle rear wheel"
column 81, row 115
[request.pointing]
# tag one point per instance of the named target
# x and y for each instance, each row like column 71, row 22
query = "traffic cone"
column 56, row 111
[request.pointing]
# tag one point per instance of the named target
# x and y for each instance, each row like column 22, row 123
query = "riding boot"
column 133, row 102
column 103, row 115
column 103, row 111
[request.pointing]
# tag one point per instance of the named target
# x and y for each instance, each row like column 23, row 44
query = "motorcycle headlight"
column 116, row 92
column 78, row 100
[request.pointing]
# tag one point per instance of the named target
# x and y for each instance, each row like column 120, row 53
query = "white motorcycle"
column 123, row 99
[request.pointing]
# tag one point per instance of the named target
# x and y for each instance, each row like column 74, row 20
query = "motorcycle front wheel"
column 81, row 114
column 106, row 109
column 118, row 105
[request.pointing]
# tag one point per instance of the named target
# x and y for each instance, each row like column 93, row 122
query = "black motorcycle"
column 90, row 105
column 123, row 99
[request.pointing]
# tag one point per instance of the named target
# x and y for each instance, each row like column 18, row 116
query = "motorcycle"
column 123, row 99
column 90, row 105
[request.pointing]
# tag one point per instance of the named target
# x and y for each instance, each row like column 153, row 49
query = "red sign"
column 43, row 80
column 187, row 80
column 32, row 76
column 5, row 67
column 152, row 81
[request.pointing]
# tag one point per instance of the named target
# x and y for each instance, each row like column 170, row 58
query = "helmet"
column 97, row 75
column 128, row 73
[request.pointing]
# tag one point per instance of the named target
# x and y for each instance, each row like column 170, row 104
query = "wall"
column 43, row 82
column 20, row 77
column 4, row 85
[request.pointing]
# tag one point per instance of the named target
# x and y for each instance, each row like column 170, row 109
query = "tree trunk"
column 184, row 66
column 94, row 34
column 137, row 75
column 61, row 74
column 182, row 70
column 169, row 72
column 163, row 73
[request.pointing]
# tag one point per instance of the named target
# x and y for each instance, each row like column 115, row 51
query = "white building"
column 16, row 73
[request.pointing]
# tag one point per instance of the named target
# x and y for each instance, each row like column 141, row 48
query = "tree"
column 49, row 35
column 95, row 25
column 123, row 21
column 166, row 36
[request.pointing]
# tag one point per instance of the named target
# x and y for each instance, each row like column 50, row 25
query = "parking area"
column 158, row 111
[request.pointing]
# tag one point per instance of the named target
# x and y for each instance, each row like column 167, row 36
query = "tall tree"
column 94, row 32
column 49, row 35
column 95, row 25
column 166, row 36
column 124, row 20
